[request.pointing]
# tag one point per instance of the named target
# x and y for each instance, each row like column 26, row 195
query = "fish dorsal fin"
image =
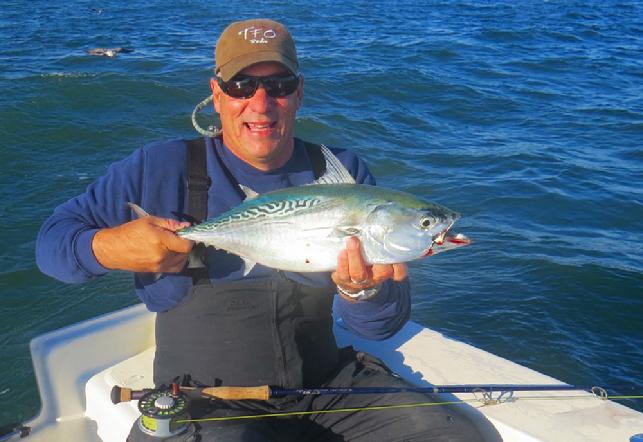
column 248, row 265
column 138, row 210
column 248, row 192
column 335, row 173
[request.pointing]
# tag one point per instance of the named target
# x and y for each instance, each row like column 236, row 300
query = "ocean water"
column 527, row 117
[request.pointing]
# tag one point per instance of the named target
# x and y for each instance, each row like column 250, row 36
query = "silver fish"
column 304, row 228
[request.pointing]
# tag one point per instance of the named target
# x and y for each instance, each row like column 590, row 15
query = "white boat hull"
column 77, row 366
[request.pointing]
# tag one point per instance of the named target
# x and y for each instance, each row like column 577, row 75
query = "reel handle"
column 123, row 394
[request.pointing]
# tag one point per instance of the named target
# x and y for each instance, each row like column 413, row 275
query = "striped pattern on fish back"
column 249, row 213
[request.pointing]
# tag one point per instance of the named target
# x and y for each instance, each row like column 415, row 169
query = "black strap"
column 198, row 184
column 317, row 160
column 198, row 180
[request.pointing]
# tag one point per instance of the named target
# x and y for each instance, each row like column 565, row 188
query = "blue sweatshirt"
column 154, row 177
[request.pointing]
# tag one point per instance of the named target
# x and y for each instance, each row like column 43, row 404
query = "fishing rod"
column 164, row 410
column 265, row 392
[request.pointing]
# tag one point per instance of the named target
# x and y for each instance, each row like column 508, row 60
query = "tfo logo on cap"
column 258, row 35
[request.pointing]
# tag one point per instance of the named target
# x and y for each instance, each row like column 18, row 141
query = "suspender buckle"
column 199, row 183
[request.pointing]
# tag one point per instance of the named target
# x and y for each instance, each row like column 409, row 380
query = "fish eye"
column 426, row 222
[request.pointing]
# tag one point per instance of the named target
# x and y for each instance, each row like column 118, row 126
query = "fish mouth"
column 449, row 243
column 439, row 238
column 443, row 242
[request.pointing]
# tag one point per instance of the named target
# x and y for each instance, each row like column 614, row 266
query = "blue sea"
column 526, row 117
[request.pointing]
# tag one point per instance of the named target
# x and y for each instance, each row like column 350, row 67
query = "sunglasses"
column 245, row 86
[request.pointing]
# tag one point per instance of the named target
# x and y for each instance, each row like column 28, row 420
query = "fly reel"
column 160, row 412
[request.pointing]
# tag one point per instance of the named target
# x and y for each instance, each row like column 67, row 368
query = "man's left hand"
column 353, row 274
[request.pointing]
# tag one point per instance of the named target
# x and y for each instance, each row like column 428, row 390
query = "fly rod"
column 265, row 392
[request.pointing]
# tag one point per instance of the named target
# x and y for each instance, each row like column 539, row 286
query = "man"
column 214, row 325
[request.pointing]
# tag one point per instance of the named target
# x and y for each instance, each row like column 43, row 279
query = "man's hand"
column 353, row 274
column 147, row 244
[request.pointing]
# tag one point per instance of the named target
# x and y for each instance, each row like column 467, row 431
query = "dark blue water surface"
column 526, row 117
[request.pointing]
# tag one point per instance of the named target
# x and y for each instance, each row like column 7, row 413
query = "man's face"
column 259, row 129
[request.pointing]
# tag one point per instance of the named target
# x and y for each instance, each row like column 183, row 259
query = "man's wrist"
column 97, row 247
column 84, row 252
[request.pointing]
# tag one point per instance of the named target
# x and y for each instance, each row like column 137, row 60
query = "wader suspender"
column 198, row 184
column 198, row 180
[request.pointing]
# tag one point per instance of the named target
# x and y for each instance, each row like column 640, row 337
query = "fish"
column 304, row 228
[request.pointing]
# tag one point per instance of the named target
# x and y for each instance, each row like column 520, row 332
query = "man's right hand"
column 147, row 244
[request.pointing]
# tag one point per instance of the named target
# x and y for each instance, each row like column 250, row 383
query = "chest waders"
column 245, row 332
column 276, row 331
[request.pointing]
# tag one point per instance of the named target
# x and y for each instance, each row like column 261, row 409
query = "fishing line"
column 485, row 402
column 336, row 410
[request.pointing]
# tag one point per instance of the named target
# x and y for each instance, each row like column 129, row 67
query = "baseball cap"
column 245, row 43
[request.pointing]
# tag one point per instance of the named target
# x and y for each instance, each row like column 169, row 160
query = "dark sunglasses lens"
column 239, row 87
column 281, row 86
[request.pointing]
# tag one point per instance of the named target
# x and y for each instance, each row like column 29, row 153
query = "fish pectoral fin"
column 347, row 231
column 248, row 265
column 138, row 210
column 248, row 192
